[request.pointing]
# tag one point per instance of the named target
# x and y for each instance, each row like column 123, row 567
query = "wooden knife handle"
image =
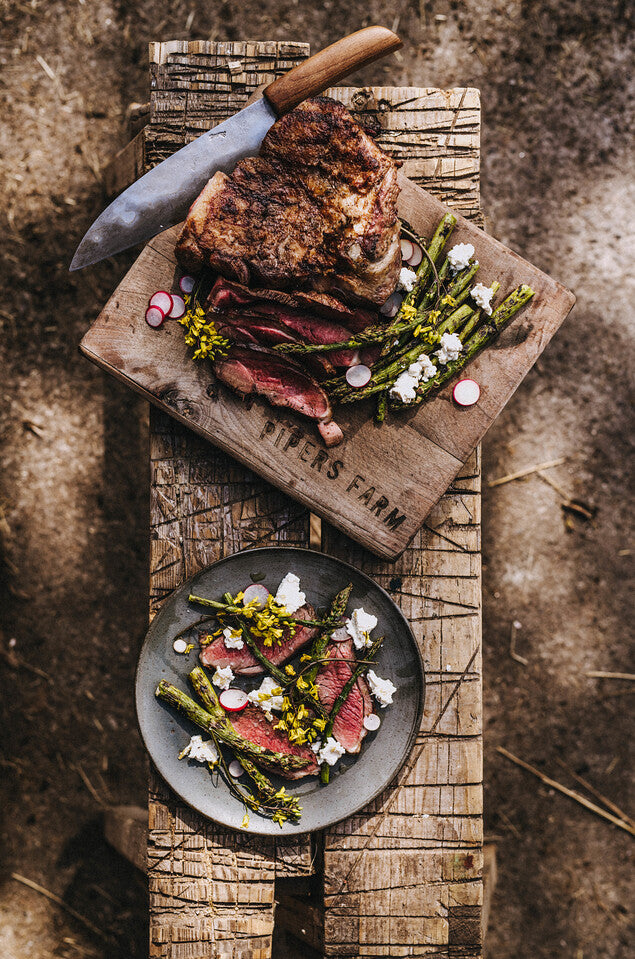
column 330, row 65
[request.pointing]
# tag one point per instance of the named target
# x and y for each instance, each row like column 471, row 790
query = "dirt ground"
column 556, row 82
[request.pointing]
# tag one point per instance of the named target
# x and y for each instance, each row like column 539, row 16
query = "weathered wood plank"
column 404, row 878
column 211, row 890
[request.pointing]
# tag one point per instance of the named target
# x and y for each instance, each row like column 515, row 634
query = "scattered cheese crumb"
column 359, row 626
column 405, row 386
column 460, row 255
column 232, row 638
column 289, row 593
column 482, row 296
column 199, row 751
column 268, row 696
column 407, row 279
column 451, row 347
column 223, row 677
column 382, row 689
column 331, row 751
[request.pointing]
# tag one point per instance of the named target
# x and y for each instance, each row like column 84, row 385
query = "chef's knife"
column 162, row 196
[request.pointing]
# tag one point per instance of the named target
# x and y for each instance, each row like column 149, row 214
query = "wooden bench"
column 404, row 877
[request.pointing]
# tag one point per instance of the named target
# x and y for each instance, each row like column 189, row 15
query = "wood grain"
column 329, row 66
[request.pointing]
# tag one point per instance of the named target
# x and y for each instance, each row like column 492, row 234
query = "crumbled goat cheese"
column 405, row 386
column 331, row 751
column 482, row 296
column 451, row 347
column 265, row 697
column 426, row 368
column 460, row 255
column 289, row 593
column 382, row 689
column 232, row 638
column 407, row 279
column 201, row 752
column 359, row 626
column 223, row 677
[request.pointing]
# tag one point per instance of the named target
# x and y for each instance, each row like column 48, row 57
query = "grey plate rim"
column 290, row 828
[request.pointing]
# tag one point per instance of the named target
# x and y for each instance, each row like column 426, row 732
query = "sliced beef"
column 259, row 330
column 282, row 382
column 226, row 296
column 348, row 727
column 243, row 663
column 317, row 210
column 252, row 724
column 313, row 329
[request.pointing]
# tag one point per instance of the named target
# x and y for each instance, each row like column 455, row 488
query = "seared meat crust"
column 316, row 210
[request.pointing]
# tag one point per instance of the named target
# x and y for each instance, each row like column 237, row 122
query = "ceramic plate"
column 356, row 780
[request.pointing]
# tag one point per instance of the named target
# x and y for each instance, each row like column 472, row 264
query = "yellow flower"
column 305, row 658
column 289, row 670
column 245, row 823
column 448, row 300
column 303, row 712
column 302, row 683
column 408, row 312
column 320, row 724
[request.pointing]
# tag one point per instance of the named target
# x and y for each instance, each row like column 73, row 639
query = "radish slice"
column 391, row 305
column 235, row 769
column 178, row 307
column 416, row 256
column 163, row 301
column 256, row 591
column 154, row 317
column 186, row 284
column 372, row 722
column 466, row 392
column 179, row 645
column 406, row 250
column 233, row 699
column 358, row 376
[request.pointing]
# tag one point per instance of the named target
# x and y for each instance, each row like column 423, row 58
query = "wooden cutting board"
column 382, row 481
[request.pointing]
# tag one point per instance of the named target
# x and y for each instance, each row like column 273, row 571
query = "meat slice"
column 313, row 329
column 317, row 210
column 280, row 381
column 348, row 726
column 252, row 724
column 226, row 296
column 242, row 661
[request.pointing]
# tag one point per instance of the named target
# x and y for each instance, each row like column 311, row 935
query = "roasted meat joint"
column 304, row 242
column 316, row 210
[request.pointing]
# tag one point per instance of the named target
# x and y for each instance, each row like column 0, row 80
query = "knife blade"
column 162, row 197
